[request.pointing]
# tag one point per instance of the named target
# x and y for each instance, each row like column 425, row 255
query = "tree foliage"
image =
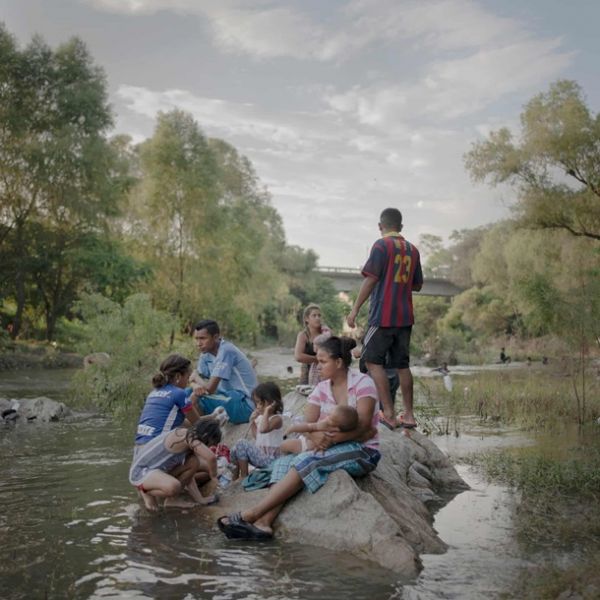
column 61, row 179
column 134, row 334
column 554, row 162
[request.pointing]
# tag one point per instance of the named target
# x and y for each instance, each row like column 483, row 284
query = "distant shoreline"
column 23, row 356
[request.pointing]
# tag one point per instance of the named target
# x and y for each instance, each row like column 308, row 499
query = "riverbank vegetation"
column 556, row 479
column 558, row 513
column 536, row 398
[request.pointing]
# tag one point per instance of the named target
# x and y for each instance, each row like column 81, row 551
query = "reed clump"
column 558, row 513
column 532, row 399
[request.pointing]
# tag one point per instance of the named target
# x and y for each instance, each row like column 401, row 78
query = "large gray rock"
column 40, row 409
column 382, row 517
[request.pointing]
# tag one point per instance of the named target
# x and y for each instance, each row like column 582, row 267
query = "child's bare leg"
column 296, row 446
column 243, row 468
column 186, row 471
column 162, row 485
column 235, row 472
column 291, row 446
column 185, row 474
column 149, row 501
column 200, row 472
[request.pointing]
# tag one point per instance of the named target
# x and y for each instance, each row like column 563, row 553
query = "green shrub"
column 135, row 336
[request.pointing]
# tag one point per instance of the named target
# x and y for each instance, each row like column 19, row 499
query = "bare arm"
column 323, row 425
column 191, row 417
column 321, row 439
column 365, row 291
column 299, row 353
column 209, row 387
column 312, row 412
column 203, row 452
column 269, row 422
column 195, row 377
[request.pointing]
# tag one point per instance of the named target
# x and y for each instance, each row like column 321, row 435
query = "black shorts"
column 388, row 346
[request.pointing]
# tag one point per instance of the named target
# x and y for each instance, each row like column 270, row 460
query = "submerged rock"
column 40, row 409
column 383, row 517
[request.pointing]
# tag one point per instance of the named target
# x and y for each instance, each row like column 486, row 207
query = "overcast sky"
column 344, row 107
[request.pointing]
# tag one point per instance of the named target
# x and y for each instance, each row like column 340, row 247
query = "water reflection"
column 71, row 527
column 31, row 383
column 483, row 557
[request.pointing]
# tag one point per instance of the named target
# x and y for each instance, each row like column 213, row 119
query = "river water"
column 71, row 527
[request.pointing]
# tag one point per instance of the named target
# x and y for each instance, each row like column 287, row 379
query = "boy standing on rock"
column 392, row 272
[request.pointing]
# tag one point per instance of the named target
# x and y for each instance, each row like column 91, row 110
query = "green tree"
column 175, row 212
column 135, row 336
column 554, row 163
column 454, row 261
column 438, row 258
column 59, row 172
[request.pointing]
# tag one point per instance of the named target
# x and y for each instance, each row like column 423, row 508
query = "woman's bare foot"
column 206, row 500
column 178, row 503
column 149, row 501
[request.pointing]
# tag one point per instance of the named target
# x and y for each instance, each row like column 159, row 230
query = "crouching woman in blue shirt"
column 166, row 456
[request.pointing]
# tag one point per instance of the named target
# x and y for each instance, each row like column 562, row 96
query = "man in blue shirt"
column 229, row 374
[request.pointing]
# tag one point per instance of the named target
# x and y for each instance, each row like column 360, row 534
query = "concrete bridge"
column 346, row 280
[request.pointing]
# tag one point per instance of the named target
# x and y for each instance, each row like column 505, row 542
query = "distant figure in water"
column 529, row 361
column 544, row 360
column 504, row 359
column 445, row 371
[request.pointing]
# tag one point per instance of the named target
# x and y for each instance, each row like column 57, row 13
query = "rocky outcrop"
column 382, row 518
column 96, row 358
column 25, row 410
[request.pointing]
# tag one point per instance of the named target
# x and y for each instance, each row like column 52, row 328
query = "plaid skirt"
column 314, row 467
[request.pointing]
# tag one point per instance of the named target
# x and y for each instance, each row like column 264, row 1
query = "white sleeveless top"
column 270, row 441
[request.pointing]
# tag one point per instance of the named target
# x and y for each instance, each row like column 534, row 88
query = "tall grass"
column 534, row 399
column 558, row 511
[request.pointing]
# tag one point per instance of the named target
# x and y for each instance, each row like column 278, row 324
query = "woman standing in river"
column 304, row 351
column 355, row 451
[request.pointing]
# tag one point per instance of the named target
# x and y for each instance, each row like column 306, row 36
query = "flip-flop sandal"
column 213, row 501
column 391, row 425
column 238, row 529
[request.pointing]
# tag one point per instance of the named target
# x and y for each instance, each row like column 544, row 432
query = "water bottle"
column 225, row 478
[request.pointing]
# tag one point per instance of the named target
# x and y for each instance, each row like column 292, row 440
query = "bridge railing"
column 346, row 279
column 340, row 270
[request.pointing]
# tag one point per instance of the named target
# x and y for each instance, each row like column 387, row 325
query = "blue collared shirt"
column 233, row 368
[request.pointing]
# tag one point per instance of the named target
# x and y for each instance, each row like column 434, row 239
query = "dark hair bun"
column 339, row 347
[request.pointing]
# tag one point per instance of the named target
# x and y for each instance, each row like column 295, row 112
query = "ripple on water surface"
column 71, row 528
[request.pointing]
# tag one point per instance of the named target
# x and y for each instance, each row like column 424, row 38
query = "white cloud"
column 441, row 24
column 228, row 118
column 448, row 89
column 271, row 29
